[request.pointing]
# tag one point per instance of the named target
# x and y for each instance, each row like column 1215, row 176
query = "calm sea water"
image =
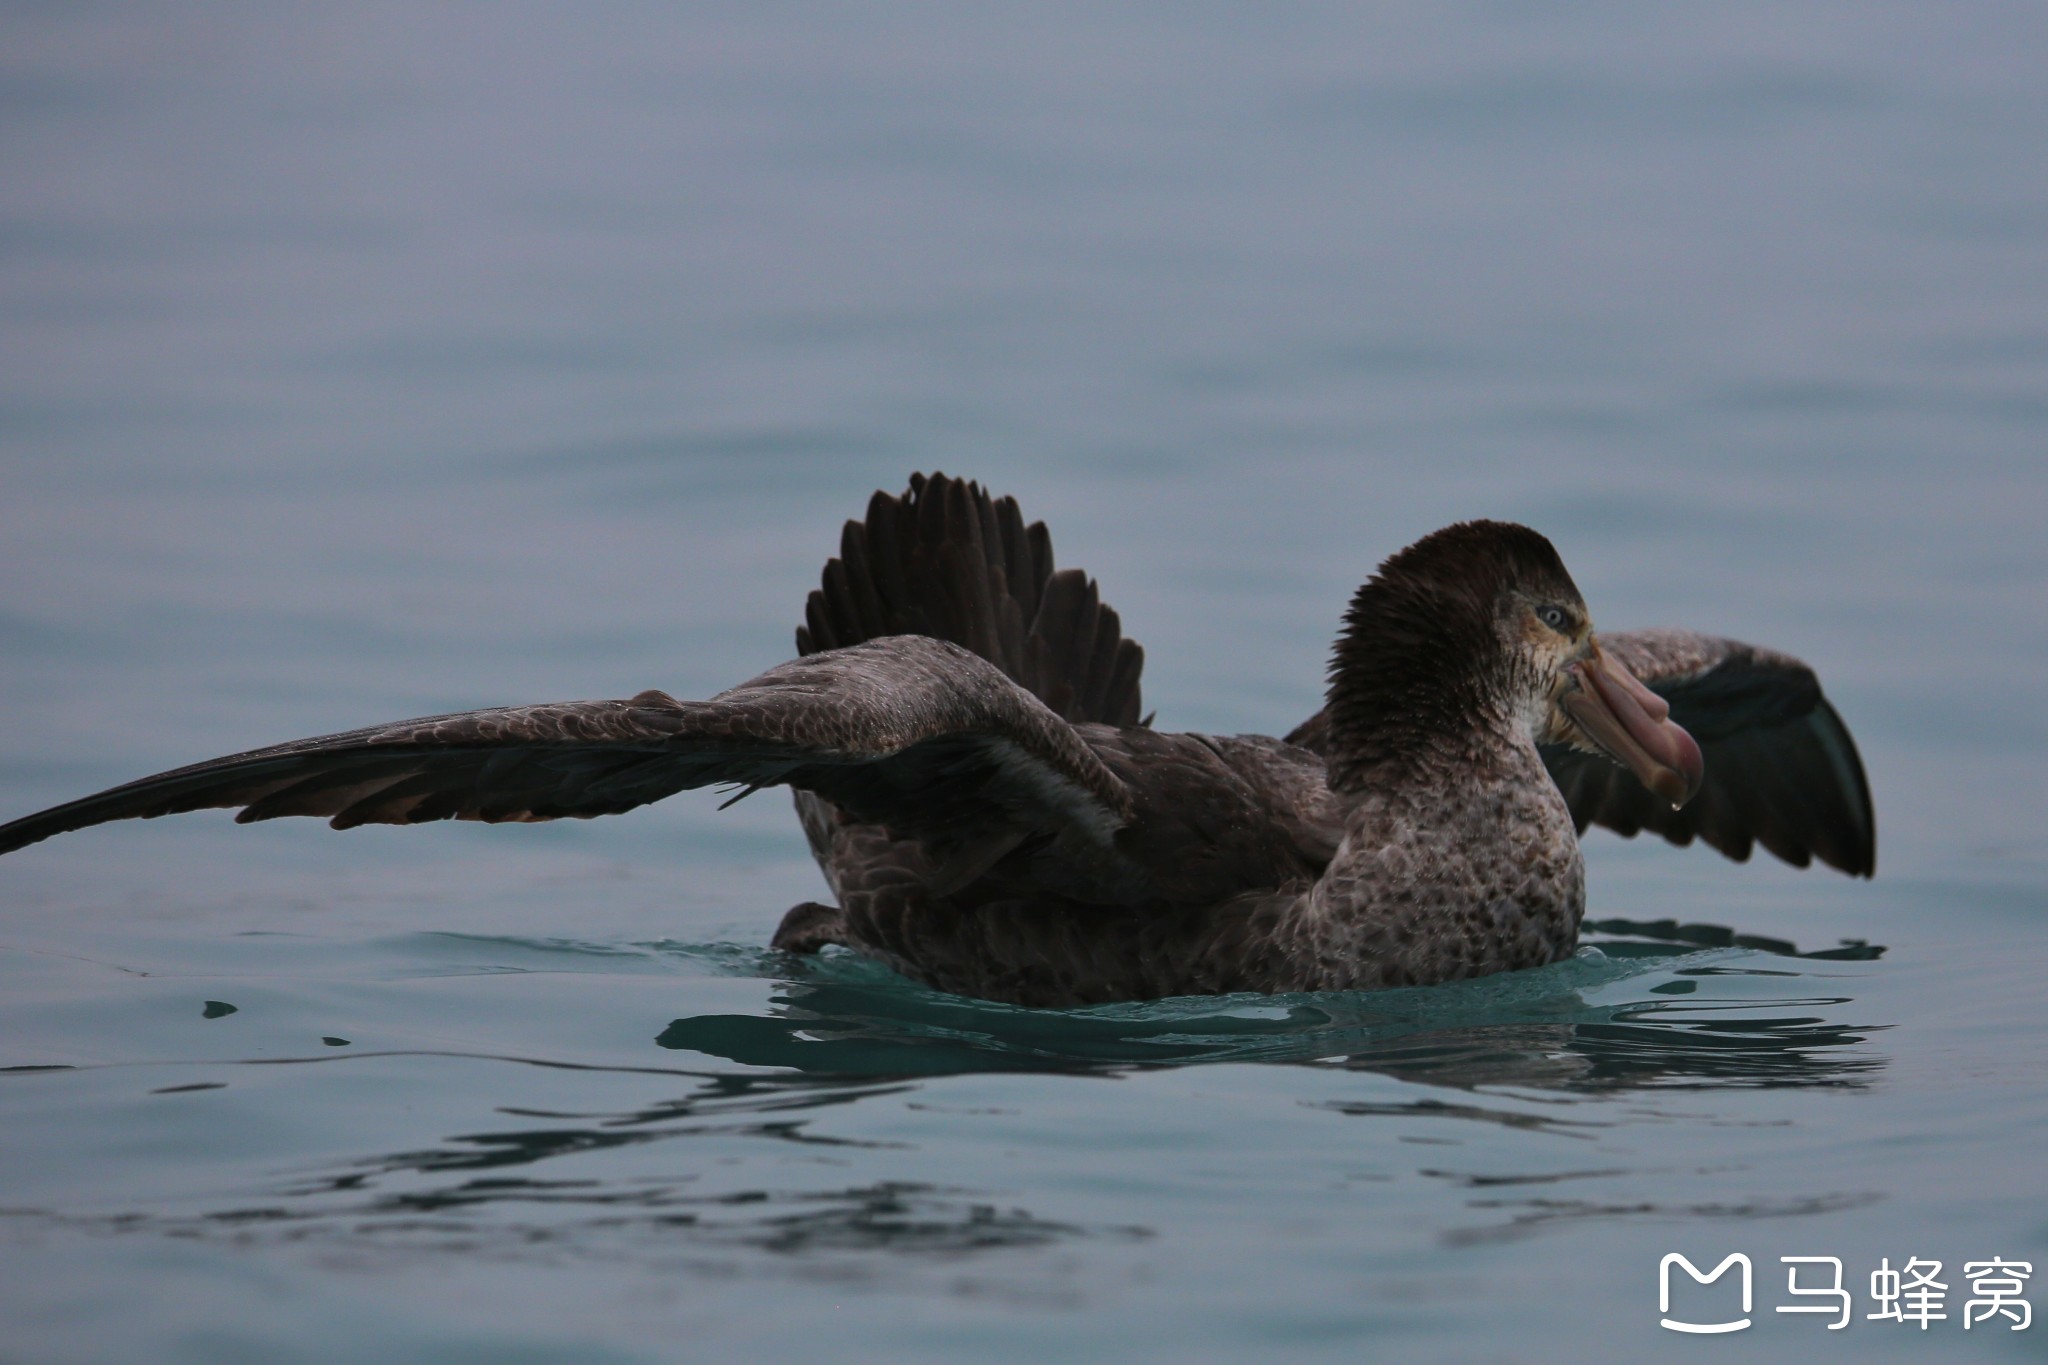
column 383, row 361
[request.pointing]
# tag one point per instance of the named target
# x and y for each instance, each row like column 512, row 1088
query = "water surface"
column 391, row 362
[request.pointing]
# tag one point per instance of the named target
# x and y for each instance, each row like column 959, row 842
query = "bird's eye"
column 1555, row 618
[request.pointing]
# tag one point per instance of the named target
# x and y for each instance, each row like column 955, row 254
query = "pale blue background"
column 384, row 360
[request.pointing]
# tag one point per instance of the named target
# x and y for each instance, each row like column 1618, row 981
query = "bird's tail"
column 945, row 559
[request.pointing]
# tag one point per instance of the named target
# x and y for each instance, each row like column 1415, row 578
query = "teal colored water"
column 385, row 362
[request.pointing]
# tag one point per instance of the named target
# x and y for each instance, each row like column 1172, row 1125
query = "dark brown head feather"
column 1421, row 667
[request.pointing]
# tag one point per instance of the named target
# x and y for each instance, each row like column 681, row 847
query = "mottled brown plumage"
column 962, row 730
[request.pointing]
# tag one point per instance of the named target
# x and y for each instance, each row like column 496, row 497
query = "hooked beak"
column 1632, row 725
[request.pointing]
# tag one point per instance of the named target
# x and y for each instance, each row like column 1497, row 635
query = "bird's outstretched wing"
column 1781, row 769
column 916, row 734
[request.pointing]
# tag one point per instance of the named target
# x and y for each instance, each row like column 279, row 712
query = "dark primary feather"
column 1782, row 770
column 945, row 559
column 915, row 733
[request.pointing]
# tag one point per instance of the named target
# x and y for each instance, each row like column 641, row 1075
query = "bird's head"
column 1475, row 631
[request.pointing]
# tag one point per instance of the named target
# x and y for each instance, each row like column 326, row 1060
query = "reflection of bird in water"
column 1536, row 1033
column 963, row 731
column 1639, row 1046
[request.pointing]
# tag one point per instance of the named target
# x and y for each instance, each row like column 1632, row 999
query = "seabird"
column 963, row 732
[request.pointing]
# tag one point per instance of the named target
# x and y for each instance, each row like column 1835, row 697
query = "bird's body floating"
column 962, row 729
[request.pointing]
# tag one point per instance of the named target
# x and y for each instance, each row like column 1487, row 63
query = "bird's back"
column 1213, row 818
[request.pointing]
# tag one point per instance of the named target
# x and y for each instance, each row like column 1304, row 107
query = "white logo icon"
column 1704, row 1328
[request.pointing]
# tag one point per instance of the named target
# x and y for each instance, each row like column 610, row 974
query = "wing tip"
column 13, row 838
